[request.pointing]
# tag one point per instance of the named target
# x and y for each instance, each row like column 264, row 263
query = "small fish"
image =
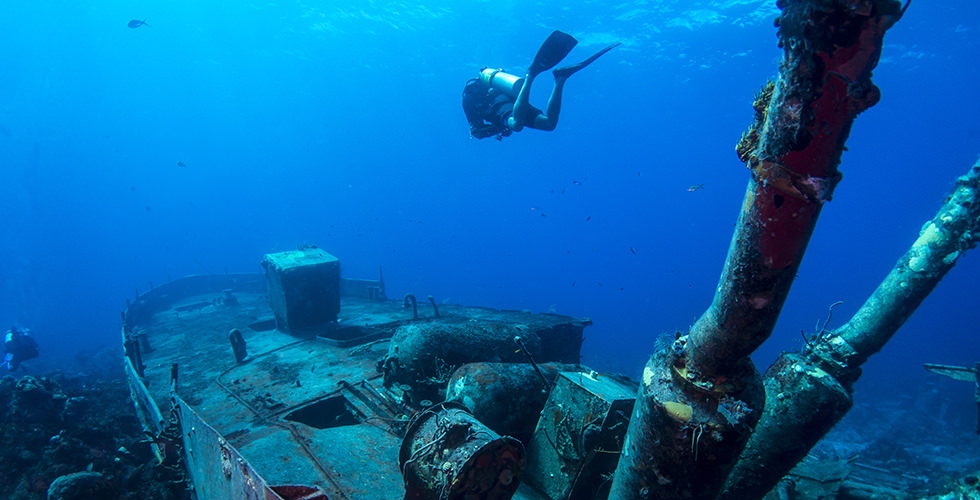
column 633, row 250
column 181, row 164
column 577, row 183
column 587, row 219
column 695, row 187
column 136, row 23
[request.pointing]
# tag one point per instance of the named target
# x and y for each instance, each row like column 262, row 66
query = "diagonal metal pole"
column 808, row 393
column 700, row 396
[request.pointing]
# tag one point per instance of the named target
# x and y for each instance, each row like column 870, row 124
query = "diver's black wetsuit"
column 487, row 110
column 18, row 346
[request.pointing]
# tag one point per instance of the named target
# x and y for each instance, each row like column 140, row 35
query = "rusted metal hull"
column 216, row 469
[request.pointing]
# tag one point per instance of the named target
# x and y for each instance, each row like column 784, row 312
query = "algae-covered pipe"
column 700, row 396
column 807, row 394
column 940, row 243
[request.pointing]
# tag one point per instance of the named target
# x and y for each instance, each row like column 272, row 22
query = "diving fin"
column 567, row 71
column 552, row 51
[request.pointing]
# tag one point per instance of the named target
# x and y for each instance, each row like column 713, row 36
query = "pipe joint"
column 837, row 356
column 694, row 378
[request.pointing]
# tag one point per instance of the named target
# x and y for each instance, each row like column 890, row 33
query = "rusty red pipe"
column 793, row 150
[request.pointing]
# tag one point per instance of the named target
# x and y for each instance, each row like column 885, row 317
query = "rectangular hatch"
column 334, row 411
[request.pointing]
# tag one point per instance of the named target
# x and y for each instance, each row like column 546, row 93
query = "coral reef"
column 965, row 488
column 68, row 434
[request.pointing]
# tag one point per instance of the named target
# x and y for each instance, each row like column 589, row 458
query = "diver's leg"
column 551, row 52
column 519, row 115
column 549, row 119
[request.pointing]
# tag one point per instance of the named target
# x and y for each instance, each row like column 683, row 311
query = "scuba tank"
column 504, row 82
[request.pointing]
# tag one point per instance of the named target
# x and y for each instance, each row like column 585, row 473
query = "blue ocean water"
column 225, row 130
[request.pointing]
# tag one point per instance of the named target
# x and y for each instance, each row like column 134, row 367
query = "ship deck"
column 302, row 410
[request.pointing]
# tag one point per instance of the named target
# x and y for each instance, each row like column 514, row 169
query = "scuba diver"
column 18, row 346
column 496, row 104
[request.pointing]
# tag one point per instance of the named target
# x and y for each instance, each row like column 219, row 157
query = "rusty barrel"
column 447, row 454
column 507, row 397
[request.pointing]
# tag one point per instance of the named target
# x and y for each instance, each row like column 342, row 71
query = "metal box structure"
column 579, row 437
column 304, row 288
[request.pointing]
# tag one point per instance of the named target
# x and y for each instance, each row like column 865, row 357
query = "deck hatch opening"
column 334, row 411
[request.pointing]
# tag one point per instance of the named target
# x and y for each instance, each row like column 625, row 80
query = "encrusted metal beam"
column 701, row 395
column 808, row 393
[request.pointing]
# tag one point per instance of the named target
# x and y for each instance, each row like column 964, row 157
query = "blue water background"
column 339, row 124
